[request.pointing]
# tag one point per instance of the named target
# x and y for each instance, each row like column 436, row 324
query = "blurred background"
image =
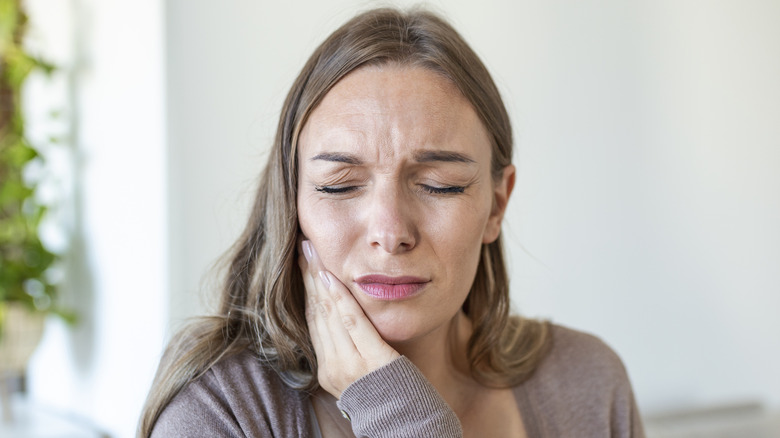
column 646, row 209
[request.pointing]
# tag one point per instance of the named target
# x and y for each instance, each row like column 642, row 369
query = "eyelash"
column 450, row 190
column 335, row 190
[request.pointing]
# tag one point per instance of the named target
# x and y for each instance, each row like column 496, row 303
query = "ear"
column 501, row 192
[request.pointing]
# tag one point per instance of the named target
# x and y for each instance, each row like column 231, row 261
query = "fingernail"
column 325, row 279
column 306, row 250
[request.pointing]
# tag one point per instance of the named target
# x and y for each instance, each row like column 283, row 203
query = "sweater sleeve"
column 398, row 401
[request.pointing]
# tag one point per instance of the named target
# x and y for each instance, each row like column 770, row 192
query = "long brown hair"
column 262, row 302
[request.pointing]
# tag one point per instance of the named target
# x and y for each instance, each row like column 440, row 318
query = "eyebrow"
column 446, row 156
column 338, row 158
column 420, row 157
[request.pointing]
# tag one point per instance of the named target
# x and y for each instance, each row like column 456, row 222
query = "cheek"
column 328, row 229
column 461, row 242
column 460, row 254
column 464, row 226
column 314, row 217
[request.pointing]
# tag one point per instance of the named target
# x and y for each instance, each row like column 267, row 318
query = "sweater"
column 581, row 388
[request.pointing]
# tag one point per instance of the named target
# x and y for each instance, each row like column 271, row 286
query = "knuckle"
column 324, row 307
column 310, row 312
column 349, row 322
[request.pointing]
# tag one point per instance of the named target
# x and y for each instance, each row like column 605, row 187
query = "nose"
column 391, row 225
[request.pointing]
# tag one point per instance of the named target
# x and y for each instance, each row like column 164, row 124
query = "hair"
column 262, row 301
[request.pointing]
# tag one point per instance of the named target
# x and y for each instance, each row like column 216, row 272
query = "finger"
column 311, row 322
column 333, row 324
column 314, row 319
column 325, row 330
column 364, row 336
column 338, row 333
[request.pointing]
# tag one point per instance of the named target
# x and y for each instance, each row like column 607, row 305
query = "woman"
column 368, row 294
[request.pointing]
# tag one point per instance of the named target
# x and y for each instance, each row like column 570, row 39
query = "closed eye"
column 447, row 190
column 443, row 190
column 335, row 190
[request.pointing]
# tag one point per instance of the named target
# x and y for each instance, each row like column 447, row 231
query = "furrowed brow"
column 445, row 156
column 338, row 158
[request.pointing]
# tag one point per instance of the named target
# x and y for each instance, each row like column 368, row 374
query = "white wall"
column 645, row 211
column 650, row 192
column 112, row 72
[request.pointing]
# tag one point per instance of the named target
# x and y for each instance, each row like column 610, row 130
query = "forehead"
column 388, row 87
column 394, row 107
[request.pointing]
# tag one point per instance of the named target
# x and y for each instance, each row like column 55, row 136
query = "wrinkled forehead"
column 397, row 103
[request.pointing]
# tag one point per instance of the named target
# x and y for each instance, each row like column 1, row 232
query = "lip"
column 387, row 288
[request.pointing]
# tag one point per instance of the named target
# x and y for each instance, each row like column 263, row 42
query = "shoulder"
column 579, row 355
column 238, row 396
column 582, row 385
column 580, row 365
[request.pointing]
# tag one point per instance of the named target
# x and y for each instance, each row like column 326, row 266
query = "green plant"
column 24, row 260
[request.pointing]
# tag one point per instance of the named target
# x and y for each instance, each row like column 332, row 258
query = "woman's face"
column 396, row 195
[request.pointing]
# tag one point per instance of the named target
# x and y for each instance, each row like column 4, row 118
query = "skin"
column 394, row 179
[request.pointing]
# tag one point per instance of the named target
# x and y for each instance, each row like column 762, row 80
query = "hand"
column 347, row 345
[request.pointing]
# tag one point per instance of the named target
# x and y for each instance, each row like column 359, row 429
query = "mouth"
column 391, row 288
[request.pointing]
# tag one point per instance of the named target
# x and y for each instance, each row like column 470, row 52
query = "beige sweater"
column 581, row 389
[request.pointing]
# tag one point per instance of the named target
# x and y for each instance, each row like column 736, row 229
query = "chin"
column 397, row 335
column 396, row 329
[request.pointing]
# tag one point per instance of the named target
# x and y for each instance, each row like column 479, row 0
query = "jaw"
column 409, row 328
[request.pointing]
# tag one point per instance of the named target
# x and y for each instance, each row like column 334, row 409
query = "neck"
column 442, row 358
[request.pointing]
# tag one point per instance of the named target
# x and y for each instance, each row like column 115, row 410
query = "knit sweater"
column 580, row 389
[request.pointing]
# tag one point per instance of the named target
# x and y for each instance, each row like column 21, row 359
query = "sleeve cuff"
column 397, row 400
